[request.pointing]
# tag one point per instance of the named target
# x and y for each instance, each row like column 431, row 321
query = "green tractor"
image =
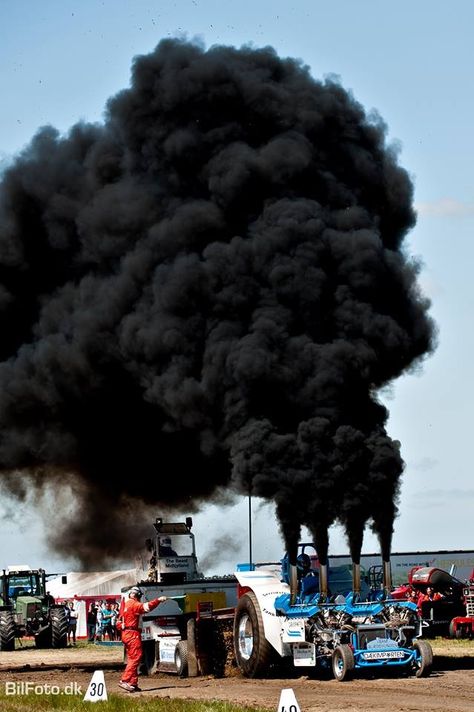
column 27, row 610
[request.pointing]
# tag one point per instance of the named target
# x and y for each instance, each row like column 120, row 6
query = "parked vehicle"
column 27, row 610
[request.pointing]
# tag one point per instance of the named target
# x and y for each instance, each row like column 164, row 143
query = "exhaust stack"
column 323, row 580
column 356, row 580
column 387, row 579
column 293, row 575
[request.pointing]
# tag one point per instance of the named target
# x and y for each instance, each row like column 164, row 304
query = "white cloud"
column 424, row 464
column 441, row 497
column 445, row 207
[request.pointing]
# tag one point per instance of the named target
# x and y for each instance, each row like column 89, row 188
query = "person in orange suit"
column 129, row 617
column 430, row 595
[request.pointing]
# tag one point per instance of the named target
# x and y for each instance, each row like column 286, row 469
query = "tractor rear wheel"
column 7, row 630
column 424, row 663
column 455, row 631
column 181, row 658
column 253, row 652
column 343, row 663
column 59, row 627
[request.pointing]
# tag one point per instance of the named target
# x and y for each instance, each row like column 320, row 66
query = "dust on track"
column 450, row 688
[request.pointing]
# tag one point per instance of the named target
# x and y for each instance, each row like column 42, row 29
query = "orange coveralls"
column 131, row 635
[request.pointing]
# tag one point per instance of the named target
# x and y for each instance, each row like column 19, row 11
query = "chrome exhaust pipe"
column 387, row 579
column 323, row 580
column 356, row 580
column 293, row 575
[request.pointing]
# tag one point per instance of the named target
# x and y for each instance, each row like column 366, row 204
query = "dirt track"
column 449, row 689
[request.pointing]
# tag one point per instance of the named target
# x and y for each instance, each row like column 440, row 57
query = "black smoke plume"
column 206, row 291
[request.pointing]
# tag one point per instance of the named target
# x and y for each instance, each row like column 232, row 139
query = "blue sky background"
column 60, row 60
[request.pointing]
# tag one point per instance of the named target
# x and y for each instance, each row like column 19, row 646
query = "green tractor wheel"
column 7, row 630
column 59, row 627
column 55, row 636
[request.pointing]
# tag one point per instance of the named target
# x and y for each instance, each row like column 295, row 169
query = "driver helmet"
column 303, row 563
column 137, row 591
column 166, row 541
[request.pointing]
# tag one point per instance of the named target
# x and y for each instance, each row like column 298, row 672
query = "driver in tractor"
column 303, row 565
column 165, row 547
column 308, row 581
column 128, row 623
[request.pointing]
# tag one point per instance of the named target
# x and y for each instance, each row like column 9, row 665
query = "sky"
column 413, row 63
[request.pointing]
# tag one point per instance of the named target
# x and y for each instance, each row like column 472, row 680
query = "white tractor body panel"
column 267, row 586
column 167, row 650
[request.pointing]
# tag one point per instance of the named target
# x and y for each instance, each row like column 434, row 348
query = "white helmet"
column 137, row 591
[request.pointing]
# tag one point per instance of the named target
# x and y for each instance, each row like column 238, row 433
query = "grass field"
column 452, row 648
column 115, row 703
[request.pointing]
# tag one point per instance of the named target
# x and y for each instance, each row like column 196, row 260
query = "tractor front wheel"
column 7, row 630
column 253, row 652
column 343, row 663
column 424, row 663
column 181, row 658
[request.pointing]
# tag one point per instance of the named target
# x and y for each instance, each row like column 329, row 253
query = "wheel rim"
column 245, row 637
column 338, row 665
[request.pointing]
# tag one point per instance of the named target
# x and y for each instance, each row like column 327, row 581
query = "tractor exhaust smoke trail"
column 207, row 290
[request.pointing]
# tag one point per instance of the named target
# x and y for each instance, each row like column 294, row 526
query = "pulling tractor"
column 27, row 610
column 291, row 617
column 173, row 571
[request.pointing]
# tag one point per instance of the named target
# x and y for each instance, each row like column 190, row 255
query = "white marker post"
column 288, row 701
column 97, row 692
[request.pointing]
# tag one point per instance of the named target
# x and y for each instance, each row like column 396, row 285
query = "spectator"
column 49, row 599
column 67, row 611
column 100, row 616
column 71, row 631
column 91, row 622
column 430, row 596
column 115, row 612
column 107, row 615
column 412, row 595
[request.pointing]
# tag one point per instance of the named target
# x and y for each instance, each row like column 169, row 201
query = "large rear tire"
column 455, row 631
column 253, row 652
column 7, row 630
column 424, row 664
column 59, row 627
column 343, row 663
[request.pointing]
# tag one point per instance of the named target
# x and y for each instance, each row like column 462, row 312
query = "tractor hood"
column 431, row 576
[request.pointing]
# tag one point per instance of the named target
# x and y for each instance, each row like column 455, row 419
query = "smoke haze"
column 206, row 291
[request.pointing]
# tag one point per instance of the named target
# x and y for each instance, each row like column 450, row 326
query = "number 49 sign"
column 288, row 701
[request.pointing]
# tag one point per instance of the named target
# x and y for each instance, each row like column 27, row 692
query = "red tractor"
column 446, row 604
